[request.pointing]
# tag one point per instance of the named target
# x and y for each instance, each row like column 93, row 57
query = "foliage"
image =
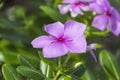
column 20, row 23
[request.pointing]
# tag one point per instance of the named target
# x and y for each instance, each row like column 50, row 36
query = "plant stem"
column 59, row 65
column 59, row 71
column 57, row 75
column 67, row 59
column 59, row 62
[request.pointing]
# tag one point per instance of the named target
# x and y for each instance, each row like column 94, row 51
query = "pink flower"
column 90, row 48
column 108, row 17
column 63, row 38
column 74, row 6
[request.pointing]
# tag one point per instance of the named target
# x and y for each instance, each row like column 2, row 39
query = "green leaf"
column 65, row 77
column 55, row 15
column 1, row 57
column 109, row 65
column 29, row 56
column 17, row 14
column 9, row 73
column 10, row 57
column 25, row 62
column 46, row 69
column 78, row 71
column 69, row 77
column 46, row 66
column 116, row 4
column 56, row 3
column 1, row 5
column 30, row 73
column 87, row 76
column 74, row 77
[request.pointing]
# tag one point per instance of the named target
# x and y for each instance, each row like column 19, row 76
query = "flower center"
column 108, row 14
column 60, row 39
column 77, row 3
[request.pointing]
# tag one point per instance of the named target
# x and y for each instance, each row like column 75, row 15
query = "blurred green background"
column 23, row 20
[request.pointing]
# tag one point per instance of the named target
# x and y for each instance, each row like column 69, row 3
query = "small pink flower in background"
column 108, row 17
column 90, row 48
column 63, row 38
column 74, row 6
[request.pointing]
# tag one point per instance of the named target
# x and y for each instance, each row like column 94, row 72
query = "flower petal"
column 76, row 10
column 90, row 48
column 86, row 0
column 78, row 45
column 73, row 29
column 93, row 54
column 73, row 1
column 115, row 14
column 64, row 8
column 115, row 27
column 85, row 8
column 97, row 8
column 69, row 1
column 100, row 6
column 54, row 50
column 73, row 14
column 55, row 29
column 105, row 3
column 42, row 41
column 100, row 22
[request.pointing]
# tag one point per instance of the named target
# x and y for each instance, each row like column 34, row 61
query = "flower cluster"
column 69, row 37
column 74, row 6
column 107, row 16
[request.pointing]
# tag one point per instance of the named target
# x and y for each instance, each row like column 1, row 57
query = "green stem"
column 67, row 59
column 59, row 62
column 57, row 75
column 58, row 72
column 59, row 65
